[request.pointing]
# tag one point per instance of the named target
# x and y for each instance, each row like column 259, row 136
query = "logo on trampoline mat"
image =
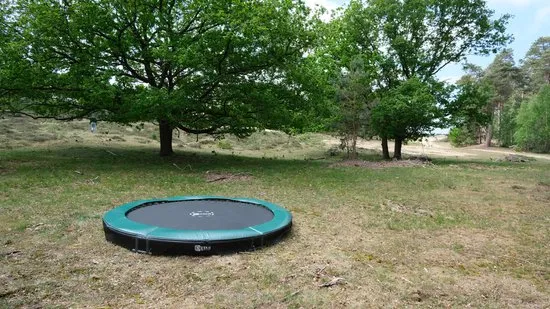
column 201, row 213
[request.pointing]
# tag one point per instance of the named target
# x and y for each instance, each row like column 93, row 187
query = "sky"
column 530, row 20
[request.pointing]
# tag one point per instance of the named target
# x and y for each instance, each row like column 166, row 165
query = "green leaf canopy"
column 201, row 66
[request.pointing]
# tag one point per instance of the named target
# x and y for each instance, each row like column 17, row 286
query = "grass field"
column 455, row 233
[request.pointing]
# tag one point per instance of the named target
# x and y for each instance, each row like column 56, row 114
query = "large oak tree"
column 201, row 66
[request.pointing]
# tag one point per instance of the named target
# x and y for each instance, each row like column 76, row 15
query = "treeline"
column 507, row 104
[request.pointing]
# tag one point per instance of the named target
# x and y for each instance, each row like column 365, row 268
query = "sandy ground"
column 436, row 146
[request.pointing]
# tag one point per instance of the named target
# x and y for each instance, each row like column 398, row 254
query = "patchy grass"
column 452, row 233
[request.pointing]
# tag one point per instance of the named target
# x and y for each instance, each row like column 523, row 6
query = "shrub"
column 460, row 137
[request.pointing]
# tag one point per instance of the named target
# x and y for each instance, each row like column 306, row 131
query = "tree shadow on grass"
column 118, row 159
column 135, row 158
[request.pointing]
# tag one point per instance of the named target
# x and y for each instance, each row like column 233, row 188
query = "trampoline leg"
column 136, row 246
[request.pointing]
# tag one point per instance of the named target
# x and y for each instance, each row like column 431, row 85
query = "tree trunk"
column 385, row 151
column 165, row 132
column 489, row 135
column 354, row 147
column 480, row 135
column 397, row 149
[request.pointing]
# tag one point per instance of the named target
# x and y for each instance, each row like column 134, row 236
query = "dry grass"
column 382, row 164
column 453, row 234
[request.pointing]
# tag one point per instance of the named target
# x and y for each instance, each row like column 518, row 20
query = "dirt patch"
column 438, row 146
column 483, row 152
column 226, row 177
column 541, row 192
column 382, row 164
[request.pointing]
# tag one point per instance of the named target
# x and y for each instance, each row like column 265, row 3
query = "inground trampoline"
column 196, row 225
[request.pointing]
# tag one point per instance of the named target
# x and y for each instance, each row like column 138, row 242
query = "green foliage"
column 536, row 65
column 506, row 79
column 463, row 136
column 499, row 99
column 407, row 43
column 469, row 111
column 504, row 76
column 408, row 111
column 202, row 66
column 355, row 98
column 533, row 121
column 508, row 125
column 488, row 99
column 419, row 37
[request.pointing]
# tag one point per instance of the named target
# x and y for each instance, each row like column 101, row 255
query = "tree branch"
column 210, row 130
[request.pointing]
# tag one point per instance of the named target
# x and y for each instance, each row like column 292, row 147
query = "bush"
column 460, row 137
